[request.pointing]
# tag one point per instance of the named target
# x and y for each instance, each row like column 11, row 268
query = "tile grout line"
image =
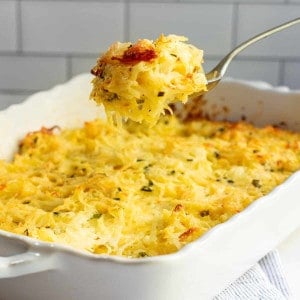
column 68, row 1
column 281, row 72
column 17, row 91
column 40, row 54
column 19, row 40
column 234, row 29
column 25, row 54
column 248, row 2
column 126, row 23
column 69, row 67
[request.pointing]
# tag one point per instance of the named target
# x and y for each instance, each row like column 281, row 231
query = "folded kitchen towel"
column 264, row 281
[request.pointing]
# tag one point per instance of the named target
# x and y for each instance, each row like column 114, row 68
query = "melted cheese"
column 137, row 191
column 139, row 81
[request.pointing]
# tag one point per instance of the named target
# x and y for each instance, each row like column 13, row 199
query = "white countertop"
column 289, row 252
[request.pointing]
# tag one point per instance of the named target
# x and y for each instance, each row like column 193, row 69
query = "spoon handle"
column 218, row 72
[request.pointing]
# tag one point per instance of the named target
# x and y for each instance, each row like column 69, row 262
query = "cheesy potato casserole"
column 140, row 80
column 139, row 191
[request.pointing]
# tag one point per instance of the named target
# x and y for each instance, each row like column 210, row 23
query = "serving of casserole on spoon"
column 139, row 81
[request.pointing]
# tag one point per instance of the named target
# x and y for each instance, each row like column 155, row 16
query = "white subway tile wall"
column 43, row 43
column 31, row 73
column 292, row 74
column 10, row 99
column 253, row 19
column 251, row 69
column 8, row 26
column 239, row 1
column 150, row 20
column 70, row 27
column 82, row 64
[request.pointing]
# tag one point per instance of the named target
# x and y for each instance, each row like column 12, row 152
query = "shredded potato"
column 140, row 80
column 140, row 191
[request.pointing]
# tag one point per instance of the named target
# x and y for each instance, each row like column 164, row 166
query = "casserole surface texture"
column 138, row 191
column 32, row 269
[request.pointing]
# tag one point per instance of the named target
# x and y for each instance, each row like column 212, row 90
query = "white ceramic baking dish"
column 31, row 269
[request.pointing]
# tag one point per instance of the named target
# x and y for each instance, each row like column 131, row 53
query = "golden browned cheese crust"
column 138, row 191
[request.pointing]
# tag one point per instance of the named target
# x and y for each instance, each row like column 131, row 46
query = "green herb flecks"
column 204, row 213
column 146, row 188
column 142, row 254
column 256, row 183
column 96, row 216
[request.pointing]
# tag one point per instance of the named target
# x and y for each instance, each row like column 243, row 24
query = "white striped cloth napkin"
column 264, row 281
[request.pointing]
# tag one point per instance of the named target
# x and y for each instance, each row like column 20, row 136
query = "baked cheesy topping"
column 137, row 191
column 140, row 80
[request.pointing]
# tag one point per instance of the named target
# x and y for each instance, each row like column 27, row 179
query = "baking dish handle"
column 25, row 263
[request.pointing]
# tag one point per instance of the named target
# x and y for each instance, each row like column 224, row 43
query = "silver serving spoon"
column 216, row 74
